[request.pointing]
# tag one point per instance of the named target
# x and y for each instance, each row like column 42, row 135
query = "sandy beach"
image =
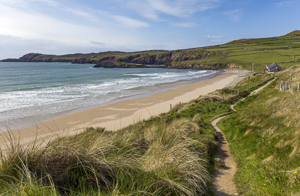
column 121, row 114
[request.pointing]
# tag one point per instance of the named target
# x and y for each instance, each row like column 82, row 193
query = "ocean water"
column 32, row 91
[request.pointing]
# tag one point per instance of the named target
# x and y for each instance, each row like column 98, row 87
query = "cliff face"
column 166, row 57
column 84, row 61
column 162, row 58
column 114, row 64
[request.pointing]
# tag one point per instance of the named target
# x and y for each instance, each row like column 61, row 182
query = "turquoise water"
column 33, row 90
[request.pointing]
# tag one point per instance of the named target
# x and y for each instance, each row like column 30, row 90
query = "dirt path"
column 224, row 177
column 252, row 93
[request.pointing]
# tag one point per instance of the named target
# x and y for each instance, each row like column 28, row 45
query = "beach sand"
column 121, row 114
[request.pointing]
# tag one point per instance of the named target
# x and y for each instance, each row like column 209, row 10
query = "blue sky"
column 77, row 26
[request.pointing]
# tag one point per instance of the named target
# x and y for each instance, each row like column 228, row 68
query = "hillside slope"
column 265, row 138
column 241, row 54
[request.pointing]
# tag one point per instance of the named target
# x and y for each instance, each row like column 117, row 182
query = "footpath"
column 223, row 181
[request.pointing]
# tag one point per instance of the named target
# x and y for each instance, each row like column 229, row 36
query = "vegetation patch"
column 264, row 139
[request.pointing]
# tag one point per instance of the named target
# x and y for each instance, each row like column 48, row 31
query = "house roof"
column 271, row 66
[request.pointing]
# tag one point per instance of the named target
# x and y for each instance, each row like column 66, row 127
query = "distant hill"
column 297, row 32
column 240, row 54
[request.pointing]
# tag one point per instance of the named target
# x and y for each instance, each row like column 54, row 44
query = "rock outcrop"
column 84, row 61
column 114, row 64
column 167, row 59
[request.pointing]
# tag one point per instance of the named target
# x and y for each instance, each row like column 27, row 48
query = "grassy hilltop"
column 283, row 50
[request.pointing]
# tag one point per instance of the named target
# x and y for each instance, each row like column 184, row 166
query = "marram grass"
column 161, row 156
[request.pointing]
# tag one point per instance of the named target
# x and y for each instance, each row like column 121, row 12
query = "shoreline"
column 120, row 114
column 24, row 122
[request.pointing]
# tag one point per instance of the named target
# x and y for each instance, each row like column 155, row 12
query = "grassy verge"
column 264, row 139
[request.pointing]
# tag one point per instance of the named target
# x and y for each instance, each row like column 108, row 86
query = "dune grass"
column 166, row 155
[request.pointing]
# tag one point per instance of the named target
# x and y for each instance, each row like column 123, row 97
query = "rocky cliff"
column 159, row 58
column 114, row 64
column 168, row 57
column 114, row 59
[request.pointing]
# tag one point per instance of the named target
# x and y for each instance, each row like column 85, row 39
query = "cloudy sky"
column 77, row 26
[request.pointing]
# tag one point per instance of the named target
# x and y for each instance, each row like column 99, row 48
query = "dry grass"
column 147, row 158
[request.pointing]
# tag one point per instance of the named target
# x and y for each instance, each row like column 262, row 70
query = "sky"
column 85, row 26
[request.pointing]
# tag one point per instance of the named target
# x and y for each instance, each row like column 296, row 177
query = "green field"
column 284, row 51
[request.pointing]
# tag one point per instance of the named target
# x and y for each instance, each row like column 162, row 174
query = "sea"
column 31, row 93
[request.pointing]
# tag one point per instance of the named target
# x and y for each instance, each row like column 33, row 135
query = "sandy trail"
column 224, row 177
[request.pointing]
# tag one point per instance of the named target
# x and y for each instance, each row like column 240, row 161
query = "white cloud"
column 53, row 34
column 52, row 26
column 38, row 6
column 49, row 2
column 129, row 22
column 234, row 15
column 152, row 9
column 31, row 24
column 185, row 24
column 33, row 30
column 80, row 13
